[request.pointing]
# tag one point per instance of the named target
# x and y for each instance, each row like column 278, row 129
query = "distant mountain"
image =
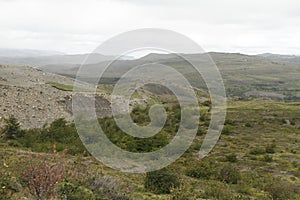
column 245, row 76
column 285, row 58
column 55, row 63
column 269, row 75
column 27, row 53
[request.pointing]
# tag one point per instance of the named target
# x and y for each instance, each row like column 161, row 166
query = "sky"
column 79, row 26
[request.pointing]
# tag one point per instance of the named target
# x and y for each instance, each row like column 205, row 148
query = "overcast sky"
column 79, row 26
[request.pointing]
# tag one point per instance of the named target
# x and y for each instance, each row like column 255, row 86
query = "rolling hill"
column 244, row 76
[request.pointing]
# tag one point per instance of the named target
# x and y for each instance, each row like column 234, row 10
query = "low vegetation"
column 161, row 181
column 60, row 86
column 256, row 161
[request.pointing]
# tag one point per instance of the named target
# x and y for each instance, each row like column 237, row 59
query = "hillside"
column 284, row 58
column 256, row 157
column 53, row 63
column 244, row 76
column 264, row 75
column 27, row 94
column 36, row 98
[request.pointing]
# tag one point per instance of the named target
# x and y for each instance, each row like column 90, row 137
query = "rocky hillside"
column 37, row 98
column 26, row 94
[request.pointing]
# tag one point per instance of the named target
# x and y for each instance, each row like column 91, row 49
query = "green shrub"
column 8, row 184
column 248, row 124
column 270, row 148
column 252, row 179
column 161, row 181
column 268, row 158
column 293, row 122
column 207, row 103
column 253, row 157
column 257, row 151
column 201, row 131
column 72, row 192
column 217, row 190
column 204, row 169
column 57, row 137
column 231, row 158
column 12, row 128
column 229, row 174
column 109, row 188
column 135, row 144
column 243, row 189
column 184, row 192
column 280, row 189
column 13, row 143
column 227, row 130
column 229, row 122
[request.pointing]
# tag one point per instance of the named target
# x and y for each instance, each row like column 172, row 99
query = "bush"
column 243, row 188
column 201, row 131
column 280, row 189
column 72, row 192
column 13, row 143
column 229, row 122
column 231, row 158
column 270, row 148
column 161, row 181
column 184, row 192
column 257, row 151
column 41, row 177
column 207, row 103
column 57, row 137
column 205, row 169
column 268, row 158
column 227, row 130
column 130, row 143
column 8, row 184
column 12, row 128
column 217, row 190
column 248, row 124
column 109, row 188
column 230, row 174
column 251, row 178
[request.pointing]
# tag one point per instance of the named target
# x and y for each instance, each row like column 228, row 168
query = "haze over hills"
column 285, row 58
column 4, row 52
column 54, row 63
column 245, row 76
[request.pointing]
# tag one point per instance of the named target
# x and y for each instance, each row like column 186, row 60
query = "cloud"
column 80, row 25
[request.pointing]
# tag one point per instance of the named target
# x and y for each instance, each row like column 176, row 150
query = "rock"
column 37, row 103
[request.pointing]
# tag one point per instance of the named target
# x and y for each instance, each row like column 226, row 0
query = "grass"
column 101, row 88
column 60, row 86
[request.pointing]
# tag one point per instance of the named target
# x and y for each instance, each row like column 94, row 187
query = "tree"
column 12, row 128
